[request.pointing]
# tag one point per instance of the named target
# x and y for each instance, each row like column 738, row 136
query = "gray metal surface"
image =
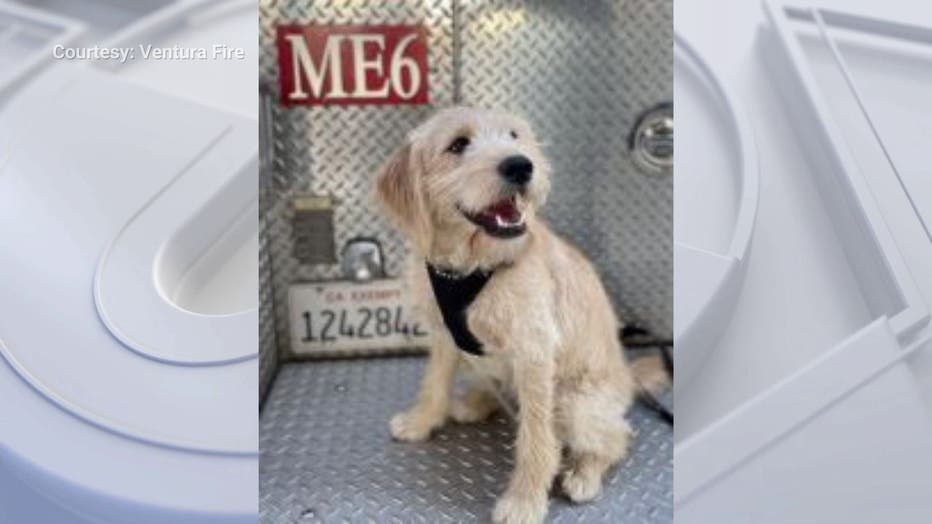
column 268, row 340
column 581, row 71
column 268, row 345
column 327, row 456
column 336, row 151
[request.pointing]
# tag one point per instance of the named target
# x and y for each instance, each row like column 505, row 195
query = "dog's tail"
column 653, row 374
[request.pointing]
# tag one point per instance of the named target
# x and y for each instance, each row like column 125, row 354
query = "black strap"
column 454, row 294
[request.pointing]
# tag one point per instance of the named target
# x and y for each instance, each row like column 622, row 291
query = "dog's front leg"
column 537, row 451
column 430, row 409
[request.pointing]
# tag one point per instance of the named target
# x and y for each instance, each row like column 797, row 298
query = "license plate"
column 350, row 316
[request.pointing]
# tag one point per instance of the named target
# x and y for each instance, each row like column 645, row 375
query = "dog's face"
column 466, row 175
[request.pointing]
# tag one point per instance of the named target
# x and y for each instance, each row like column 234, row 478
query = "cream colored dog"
column 465, row 188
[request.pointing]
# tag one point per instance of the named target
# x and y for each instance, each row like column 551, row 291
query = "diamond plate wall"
column 268, row 343
column 268, row 340
column 582, row 73
column 337, row 150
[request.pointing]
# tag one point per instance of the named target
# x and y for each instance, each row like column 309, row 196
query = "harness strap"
column 454, row 294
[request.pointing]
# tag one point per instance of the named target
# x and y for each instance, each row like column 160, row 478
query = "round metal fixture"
column 362, row 260
column 651, row 140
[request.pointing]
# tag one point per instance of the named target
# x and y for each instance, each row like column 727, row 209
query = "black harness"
column 454, row 294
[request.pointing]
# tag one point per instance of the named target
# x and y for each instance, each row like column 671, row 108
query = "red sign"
column 352, row 64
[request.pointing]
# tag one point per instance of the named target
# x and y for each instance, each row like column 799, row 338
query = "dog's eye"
column 458, row 145
column 514, row 134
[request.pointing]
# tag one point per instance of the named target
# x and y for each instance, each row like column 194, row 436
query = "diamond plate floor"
column 326, row 456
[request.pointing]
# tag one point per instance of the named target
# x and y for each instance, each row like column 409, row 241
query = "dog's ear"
column 398, row 188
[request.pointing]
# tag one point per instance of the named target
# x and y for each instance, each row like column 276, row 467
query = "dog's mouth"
column 502, row 219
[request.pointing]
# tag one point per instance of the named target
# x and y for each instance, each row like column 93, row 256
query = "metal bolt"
column 651, row 141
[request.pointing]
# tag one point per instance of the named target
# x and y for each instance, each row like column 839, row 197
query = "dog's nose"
column 516, row 169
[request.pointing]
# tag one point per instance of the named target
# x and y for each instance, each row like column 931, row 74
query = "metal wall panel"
column 268, row 339
column 336, row 150
column 268, row 342
column 582, row 73
column 268, row 196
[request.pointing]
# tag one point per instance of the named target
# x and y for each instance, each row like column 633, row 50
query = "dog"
column 504, row 293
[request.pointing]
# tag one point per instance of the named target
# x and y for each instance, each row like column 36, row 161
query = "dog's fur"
column 545, row 321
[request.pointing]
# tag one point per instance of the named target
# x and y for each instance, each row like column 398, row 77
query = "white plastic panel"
column 894, row 79
column 27, row 37
column 768, row 419
column 715, row 205
column 863, row 456
column 812, row 408
column 228, row 84
column 53, row 335
column 874, row 215
column 194, row 239
column 221, row 280
column 94, row 431
column 99, row 17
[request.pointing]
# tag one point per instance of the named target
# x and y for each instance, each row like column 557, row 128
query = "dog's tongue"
column 506, row 211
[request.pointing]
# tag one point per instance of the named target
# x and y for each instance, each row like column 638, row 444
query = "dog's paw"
column 580, row 487
column 411, row 426
column 511, row 509
column 465, row 412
